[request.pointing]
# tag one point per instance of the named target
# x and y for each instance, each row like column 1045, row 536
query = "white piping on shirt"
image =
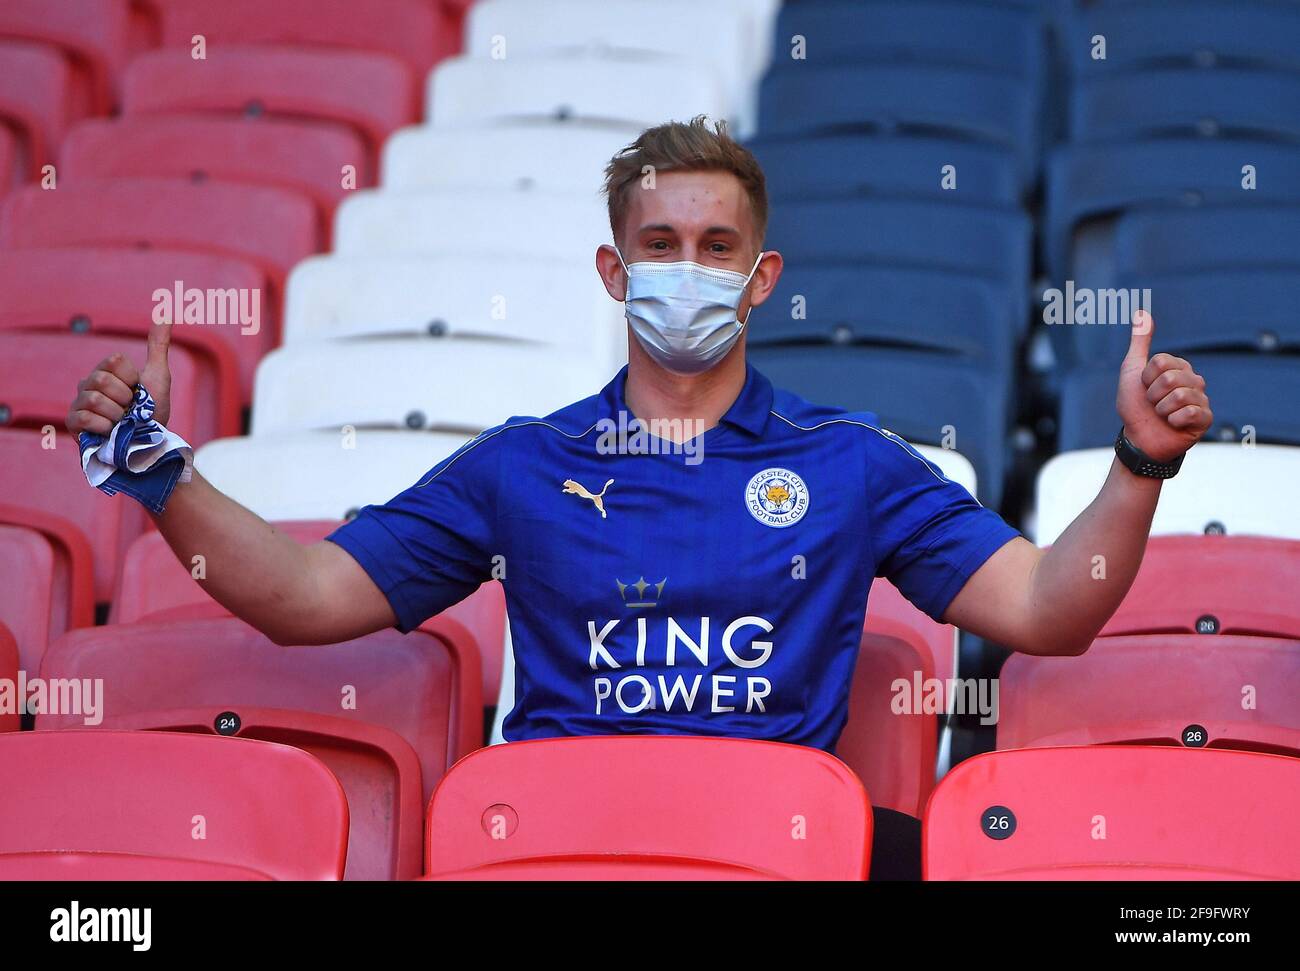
column 888, row 436
column 481, row 438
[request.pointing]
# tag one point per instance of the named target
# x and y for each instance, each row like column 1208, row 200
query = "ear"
column 764, row 281
column 611, row 272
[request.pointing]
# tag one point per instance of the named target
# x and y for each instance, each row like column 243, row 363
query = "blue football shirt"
column 717, row 592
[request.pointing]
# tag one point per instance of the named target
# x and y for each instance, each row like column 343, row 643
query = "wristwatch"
column 1140, row 463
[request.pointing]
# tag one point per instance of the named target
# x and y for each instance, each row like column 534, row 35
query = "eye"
column 657, row 245
column 719, row 249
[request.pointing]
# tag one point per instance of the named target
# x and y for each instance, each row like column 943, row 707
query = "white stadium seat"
column 952, row 464
column 477, row 90
column 472, row 223
column 557, row 303
column 1244, row 490
column 453, row 384
column 548, row 156
column 721, row 36
column 315, row 475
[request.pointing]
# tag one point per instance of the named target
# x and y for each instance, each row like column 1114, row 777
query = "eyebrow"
column 711, row 231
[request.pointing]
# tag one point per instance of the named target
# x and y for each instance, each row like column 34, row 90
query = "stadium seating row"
column 535, row 810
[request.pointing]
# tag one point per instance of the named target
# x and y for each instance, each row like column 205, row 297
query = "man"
column 719, row 594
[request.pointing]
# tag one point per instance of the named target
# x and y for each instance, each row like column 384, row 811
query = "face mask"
column 684, row 314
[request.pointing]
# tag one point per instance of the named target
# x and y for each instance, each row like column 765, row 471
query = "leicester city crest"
column 777, row 498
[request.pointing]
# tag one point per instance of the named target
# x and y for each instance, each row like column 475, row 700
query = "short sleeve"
column 430, row 546
column 928, row 534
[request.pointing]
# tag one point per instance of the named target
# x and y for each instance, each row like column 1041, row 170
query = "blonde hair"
column 694, row 146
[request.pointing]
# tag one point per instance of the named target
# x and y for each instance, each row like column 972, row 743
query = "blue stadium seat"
column 1160, row 240
column 994, row 38
column 1256, row 390
column 806, row 167
column 955, row 102
column 1246, row 104
column 1203, row 311
column 916, row 395
column 1191, row 32
column 1095, row 181
column 820, row 303
column 932, row 235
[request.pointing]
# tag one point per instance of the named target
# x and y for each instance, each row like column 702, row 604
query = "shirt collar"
column 749, row 412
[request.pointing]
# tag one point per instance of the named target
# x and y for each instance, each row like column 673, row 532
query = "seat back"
column 539, row 301
column 385, row 383
column 35, row 91
column 377, row 768
column 1213, row 585
column 33, row 603
column 404, row 29
column 42, row 371
column 42, row 473
column 1225, row 691
column 1220, row 488
column 265, row 808
column 890, row 743
column 1115, row 812
column 271, row 228
column 307, row 475
column 295, row 156
column 1223, row 237
column 466, row 91
column 408, row 684
column 370, row 94
column 669, row 799
column 106, row 290
column 469, row 223
column 547, row 156
column 155, row 586
column 10, row 721
column 90, row 34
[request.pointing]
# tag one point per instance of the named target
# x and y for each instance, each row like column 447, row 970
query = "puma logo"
column 578, row 489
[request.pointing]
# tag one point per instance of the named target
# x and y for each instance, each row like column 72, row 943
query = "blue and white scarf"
column 139, row 457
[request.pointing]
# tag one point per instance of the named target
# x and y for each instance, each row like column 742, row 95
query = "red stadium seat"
column 35, row 99
column 1226, row 691
column 383, row 711
column 72, row 579
column 304, row 158
column 127, row 805
column 37, row 589
column 892, row 751
column 145, row 28
column 405, row 29
column 1213, row 585
column 154, row 585
column 11, row 172
column 271, row 228
column 90, row 34
column 39, row 372
column 112, row 291
column 1124, row 812
column 886, row 603
column 49, row 482
column 9, row 664
column 369, row 94
column 667, row 806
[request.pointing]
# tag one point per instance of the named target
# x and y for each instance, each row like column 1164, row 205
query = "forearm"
column 251, row 569
column 1078, row 582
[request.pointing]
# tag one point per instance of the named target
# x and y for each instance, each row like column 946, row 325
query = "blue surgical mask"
column 685, row 314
